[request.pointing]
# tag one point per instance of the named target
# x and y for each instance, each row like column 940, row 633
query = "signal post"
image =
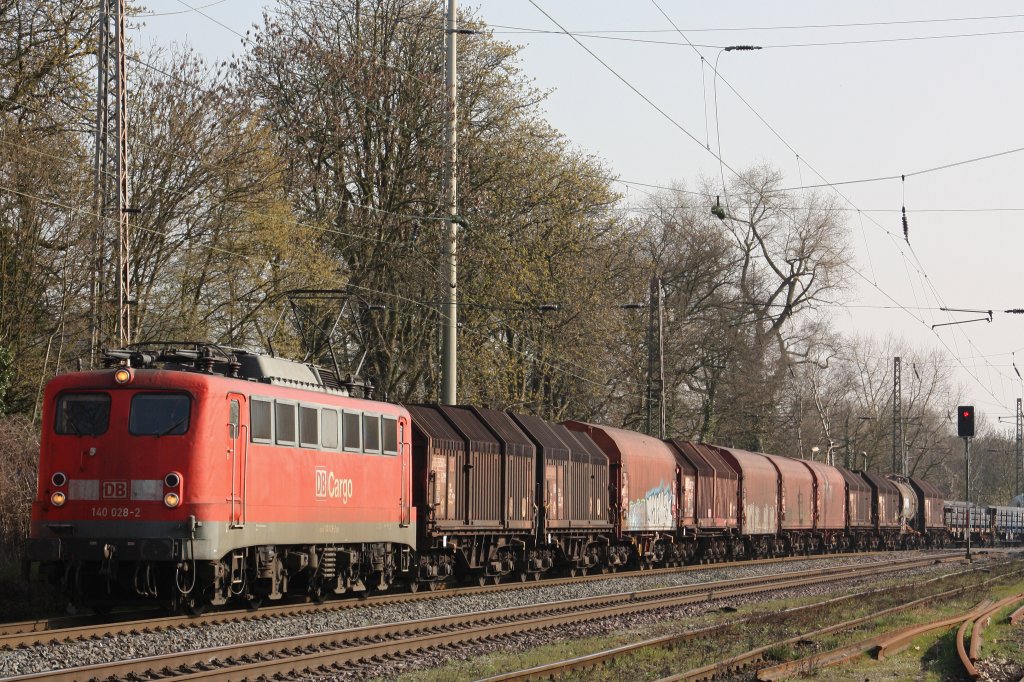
column 965, row 429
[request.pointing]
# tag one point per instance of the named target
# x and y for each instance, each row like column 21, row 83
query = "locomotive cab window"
column 159, row 414
column 389, row 435
column 262, row 424
column 371, row 433
column 82, row 414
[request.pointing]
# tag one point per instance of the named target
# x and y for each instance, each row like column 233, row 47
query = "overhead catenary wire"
column 918, row 266
column 778, row 46
column 891, row 22
column 677, row 125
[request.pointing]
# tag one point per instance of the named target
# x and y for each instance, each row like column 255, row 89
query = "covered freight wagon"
column 572, row 532
column 518, row 468
column 758, row 498
column 589, row 474
column 885, row 509
column 439, row 459
column 858, row 510
column 796, row 484
column 643, row 477
column 716, row 487
column 829, row 498
column 649, row 486
column 929, row 505
column 479, row 521
column 482, row 478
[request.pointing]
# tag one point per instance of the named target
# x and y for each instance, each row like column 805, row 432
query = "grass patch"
column 930, row 658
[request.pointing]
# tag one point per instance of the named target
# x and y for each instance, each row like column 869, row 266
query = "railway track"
column 70, row 628
column 306, row 654
column 557, row 669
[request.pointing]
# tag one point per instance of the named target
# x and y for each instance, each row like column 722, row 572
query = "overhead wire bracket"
column 987, row 313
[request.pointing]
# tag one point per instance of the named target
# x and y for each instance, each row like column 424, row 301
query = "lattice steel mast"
column 110, row 164
column 898, row 462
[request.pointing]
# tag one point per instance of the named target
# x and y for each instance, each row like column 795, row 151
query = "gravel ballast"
column 121, row 647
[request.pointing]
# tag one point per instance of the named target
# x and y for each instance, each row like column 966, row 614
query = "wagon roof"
column 428, row 419
column 470, row 426
column 543, row 434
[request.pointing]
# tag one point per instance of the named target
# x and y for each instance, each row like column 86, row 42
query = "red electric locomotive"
column 193, row 475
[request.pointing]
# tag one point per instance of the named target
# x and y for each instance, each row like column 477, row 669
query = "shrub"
column 19, row 456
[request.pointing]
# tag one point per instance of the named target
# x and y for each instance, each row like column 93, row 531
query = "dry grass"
column 19, row 455
column 929, row 658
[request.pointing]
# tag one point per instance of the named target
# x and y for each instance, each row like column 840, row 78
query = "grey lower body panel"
column 209, row 541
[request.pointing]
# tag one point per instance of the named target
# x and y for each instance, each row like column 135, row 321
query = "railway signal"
column 965, row 421
column 965, row 429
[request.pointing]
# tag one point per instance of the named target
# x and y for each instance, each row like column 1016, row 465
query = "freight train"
column 989, row 525
column 193, row 475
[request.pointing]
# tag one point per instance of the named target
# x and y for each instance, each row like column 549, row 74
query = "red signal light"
column 965, row 421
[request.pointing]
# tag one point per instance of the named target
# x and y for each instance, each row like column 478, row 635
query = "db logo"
column 116, row 490
column 330, row 486
column 321, row 482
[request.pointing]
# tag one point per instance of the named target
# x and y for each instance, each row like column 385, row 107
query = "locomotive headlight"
column 171, row 500
column 58, row 479
column 57, row 499
column 172, row 480
column 123, row 375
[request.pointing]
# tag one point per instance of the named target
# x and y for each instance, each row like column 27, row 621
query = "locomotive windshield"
column 159, row 414
column 82, row 414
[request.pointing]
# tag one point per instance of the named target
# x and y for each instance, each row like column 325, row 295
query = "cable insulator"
column 906, row 231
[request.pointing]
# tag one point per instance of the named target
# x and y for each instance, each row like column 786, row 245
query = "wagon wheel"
column 414, row 586
column 523, row 576
column 318, row 593
column 572, row 572
column 196, row 606
column 481, row 580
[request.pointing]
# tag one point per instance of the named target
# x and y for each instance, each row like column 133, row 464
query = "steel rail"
column 824, row 659
column 741, row 660
column 32, row 633
column 968, row 656
column 306, row 652
column 842, row 654
column 667, row 641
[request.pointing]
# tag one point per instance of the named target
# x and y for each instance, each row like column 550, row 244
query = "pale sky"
column 913, row 86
